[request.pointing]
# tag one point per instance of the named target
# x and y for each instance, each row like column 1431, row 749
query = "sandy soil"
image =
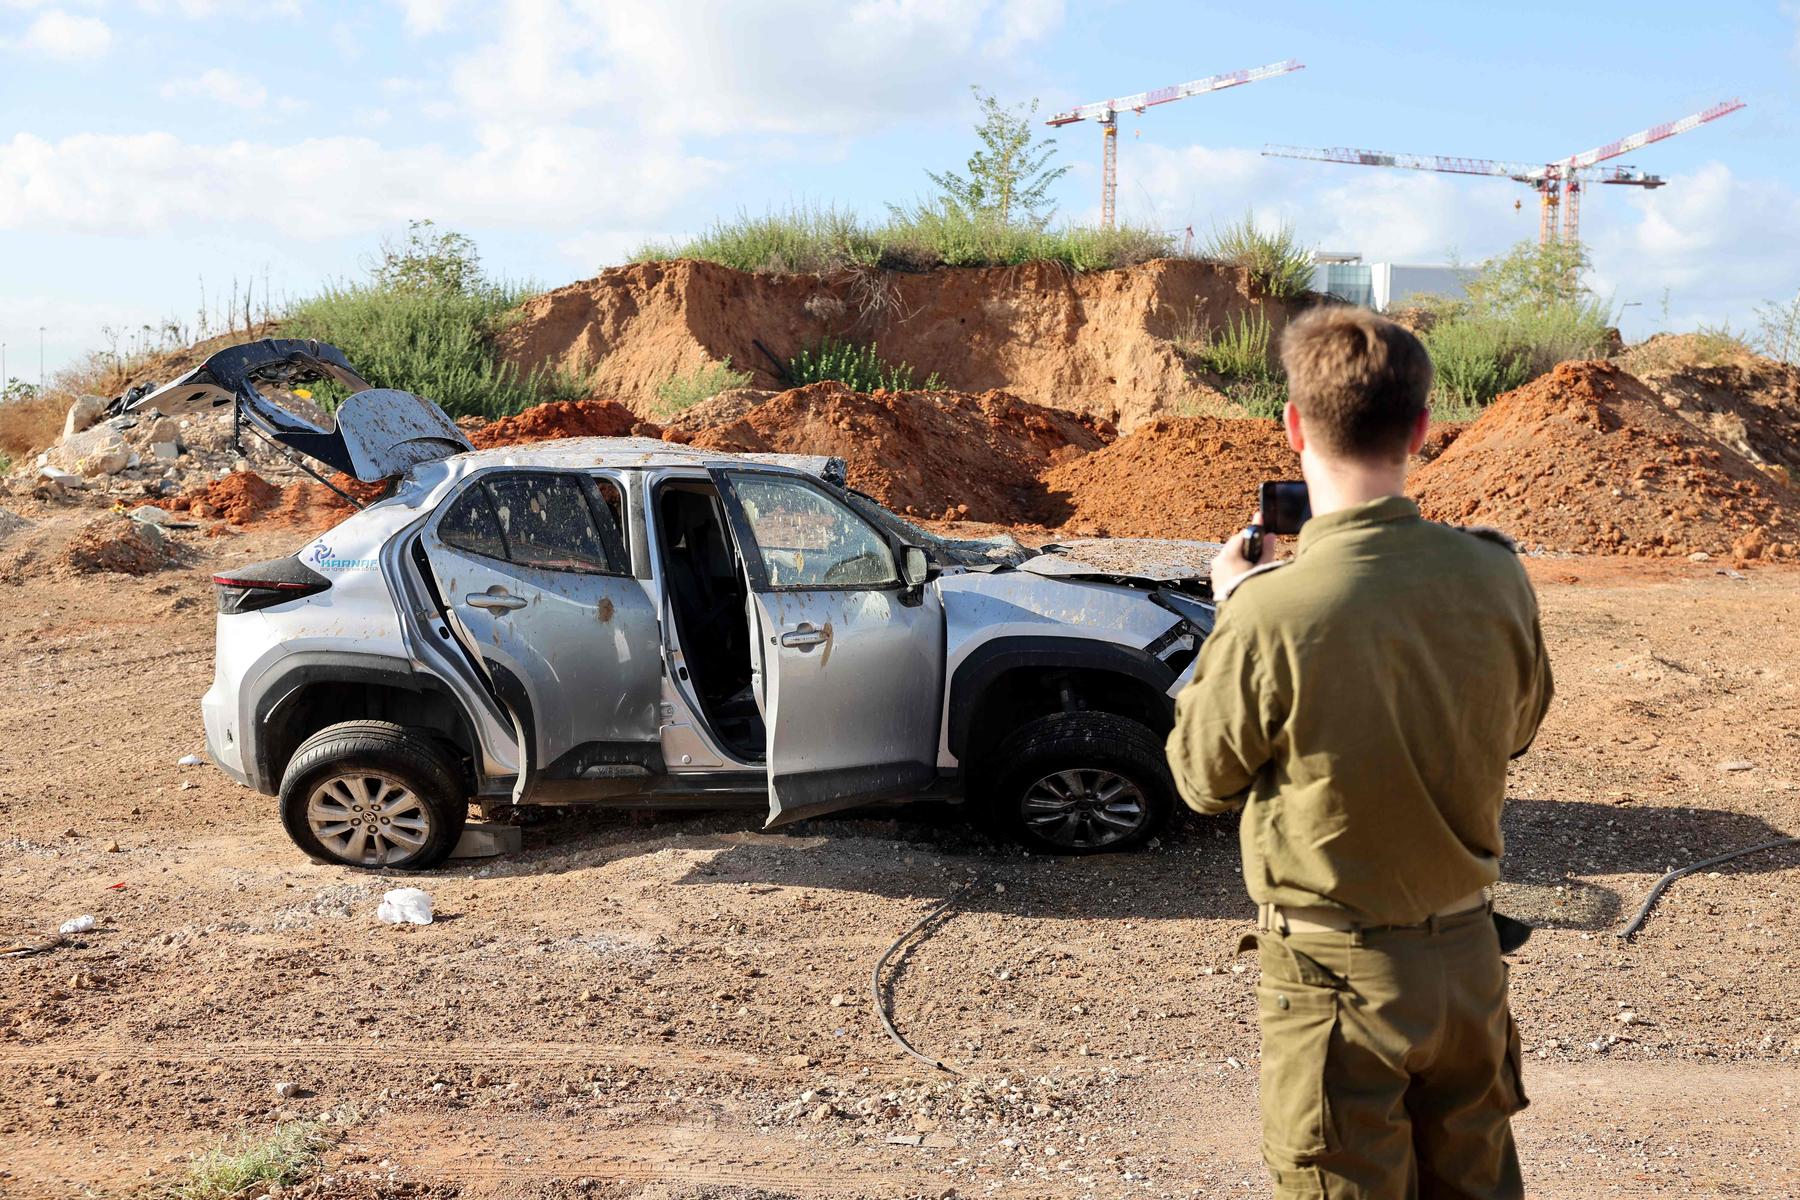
column 679, row 1007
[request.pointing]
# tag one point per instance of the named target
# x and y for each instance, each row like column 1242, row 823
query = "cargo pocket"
column 1513, row 1073
column 1299, row 1022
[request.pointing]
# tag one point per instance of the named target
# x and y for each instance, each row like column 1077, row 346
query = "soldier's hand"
column 1233, row 561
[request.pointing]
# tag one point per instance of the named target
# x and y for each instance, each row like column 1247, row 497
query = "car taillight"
column 261, row 585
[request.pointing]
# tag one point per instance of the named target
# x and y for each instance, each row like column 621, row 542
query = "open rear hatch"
column 373, row 434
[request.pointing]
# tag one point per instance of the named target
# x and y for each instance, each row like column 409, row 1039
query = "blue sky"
column 149, row 145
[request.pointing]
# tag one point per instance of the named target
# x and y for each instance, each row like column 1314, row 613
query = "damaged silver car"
column 631, row 622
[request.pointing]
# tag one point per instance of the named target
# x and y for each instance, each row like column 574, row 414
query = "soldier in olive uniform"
column 1359, row 703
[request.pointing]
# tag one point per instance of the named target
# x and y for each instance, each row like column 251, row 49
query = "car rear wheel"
column 373, row 794
column 1081, row 783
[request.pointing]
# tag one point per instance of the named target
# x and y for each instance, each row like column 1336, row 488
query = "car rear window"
column 471, row 525
column 547, row 521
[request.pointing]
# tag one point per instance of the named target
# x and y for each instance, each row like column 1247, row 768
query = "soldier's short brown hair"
column 1359, row 380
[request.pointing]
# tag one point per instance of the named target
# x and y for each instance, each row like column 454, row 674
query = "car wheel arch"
column 1011, row 680
column 317, row 690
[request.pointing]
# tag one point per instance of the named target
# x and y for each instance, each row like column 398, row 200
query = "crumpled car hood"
column 1151, row 560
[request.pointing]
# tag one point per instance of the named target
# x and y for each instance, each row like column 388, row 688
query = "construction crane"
column 1106, row 112
column 1558, row 184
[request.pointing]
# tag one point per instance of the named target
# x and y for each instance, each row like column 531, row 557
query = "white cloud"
column 781, row 66
column 1024, row 21
column 427, row 16
column 592, row 250
column 548, row 176
column 1712, row 239
column 63, row 35
column 200, row 9
column 220, row 86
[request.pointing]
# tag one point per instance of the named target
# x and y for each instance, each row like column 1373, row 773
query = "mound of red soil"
column 244, row 497
column 1586, row 458
column 927, row 453
column 117, row 543
column 561, row 419
column 1177, row 477
column 240, row 497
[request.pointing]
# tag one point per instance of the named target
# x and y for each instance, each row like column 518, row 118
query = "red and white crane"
column 1106, row 112
column 1557, row 183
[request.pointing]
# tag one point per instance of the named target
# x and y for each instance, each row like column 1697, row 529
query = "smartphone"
column 1285, row 508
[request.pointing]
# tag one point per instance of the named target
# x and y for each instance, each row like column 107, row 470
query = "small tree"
column 1778, row 333
column 430, row 260
column 1531, row 277
column 1009, row 178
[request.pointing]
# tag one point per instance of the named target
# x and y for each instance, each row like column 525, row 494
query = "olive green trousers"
column 1390, row 1063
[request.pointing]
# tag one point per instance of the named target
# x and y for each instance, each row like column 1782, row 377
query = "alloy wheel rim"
column 368, row 818
column 1083, row 808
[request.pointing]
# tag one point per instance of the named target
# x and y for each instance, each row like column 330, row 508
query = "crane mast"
column 1106, row 114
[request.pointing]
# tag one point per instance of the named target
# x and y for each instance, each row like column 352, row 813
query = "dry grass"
column 1677, row 351
column 27, row 426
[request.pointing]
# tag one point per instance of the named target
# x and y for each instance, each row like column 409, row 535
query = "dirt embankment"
column 1587, row 458
column 927, row 454
column 1096, row 343
column 1182, row 477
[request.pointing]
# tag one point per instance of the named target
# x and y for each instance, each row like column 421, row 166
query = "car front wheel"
column 1082, row 783
column 373, row 794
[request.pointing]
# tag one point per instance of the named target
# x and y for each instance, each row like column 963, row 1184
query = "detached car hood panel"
column 375, row 433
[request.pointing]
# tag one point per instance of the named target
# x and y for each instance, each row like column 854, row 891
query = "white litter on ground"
column 190, row 760
column 82, row 924
column 405, row 906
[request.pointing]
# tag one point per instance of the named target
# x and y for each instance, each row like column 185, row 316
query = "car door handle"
column 493, row 601
column 803, row 637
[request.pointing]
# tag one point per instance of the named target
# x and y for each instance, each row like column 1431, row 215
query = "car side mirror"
column 915, row 566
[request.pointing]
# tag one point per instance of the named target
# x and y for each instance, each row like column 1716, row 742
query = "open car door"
column 537, row 586
column 852, row 656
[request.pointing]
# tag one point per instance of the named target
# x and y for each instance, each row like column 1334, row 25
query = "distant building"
column 1381, row 286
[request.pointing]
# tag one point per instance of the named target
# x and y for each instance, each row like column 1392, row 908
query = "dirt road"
column 679, row 1007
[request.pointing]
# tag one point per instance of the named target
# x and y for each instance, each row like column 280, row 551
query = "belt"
column 1283, row 918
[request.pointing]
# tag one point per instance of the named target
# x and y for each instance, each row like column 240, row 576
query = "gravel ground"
column 642, row 1006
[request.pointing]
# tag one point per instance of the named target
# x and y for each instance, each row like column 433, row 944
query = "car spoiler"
column 375, row 433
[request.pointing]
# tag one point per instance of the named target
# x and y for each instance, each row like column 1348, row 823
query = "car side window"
column 470, row 524
column 610, row 518
column 548, row 523
column 806, row 539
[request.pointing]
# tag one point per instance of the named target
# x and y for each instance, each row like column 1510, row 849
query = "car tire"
column 400, row 781
column 1068, row 782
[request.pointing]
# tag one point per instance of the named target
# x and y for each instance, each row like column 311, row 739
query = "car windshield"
column 945, row 552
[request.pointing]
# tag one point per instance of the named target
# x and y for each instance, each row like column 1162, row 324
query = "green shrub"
column 1239, row 350
column 1479, row 356
column 277, row 1159
column 826, row 241
column 1260, row 398
column 680, row 392
column 1278, row 261
column 790, row 242
column 861, row 368
column 438, row 343
column 1475, row 359
column 1525, row 311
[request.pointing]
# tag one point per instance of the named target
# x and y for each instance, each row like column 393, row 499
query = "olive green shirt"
column 1360, row 704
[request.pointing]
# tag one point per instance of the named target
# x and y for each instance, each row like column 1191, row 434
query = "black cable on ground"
column 1656, row 892
column 875, row 981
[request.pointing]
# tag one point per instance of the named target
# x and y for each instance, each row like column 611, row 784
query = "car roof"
column 636, row 453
